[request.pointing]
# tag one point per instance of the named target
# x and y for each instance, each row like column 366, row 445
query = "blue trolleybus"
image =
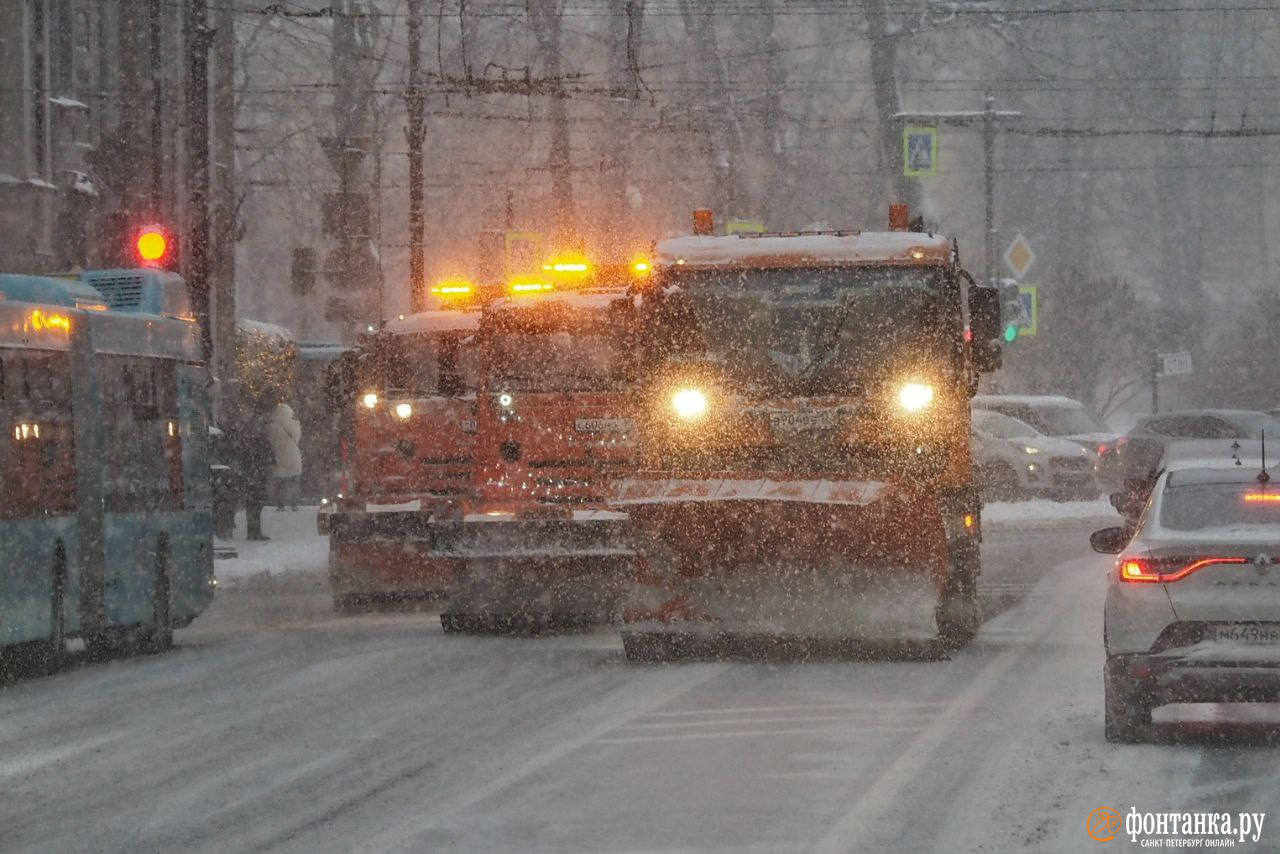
column 105, row 528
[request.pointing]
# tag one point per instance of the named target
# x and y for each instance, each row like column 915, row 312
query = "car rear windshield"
column 1195, row 507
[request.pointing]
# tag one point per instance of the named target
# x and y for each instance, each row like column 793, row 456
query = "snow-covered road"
column 276, row 726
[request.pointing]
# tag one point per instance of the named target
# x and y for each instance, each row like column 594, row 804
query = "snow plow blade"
column 722, row 559
column 535, row 574
column 385, row 557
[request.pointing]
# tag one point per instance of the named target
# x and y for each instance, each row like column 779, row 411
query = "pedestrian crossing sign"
column 1028, row 319
column 919, row 151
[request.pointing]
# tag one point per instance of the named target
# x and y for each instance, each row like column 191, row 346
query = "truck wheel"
column 650, row 647
column 959, row 614
column 1126, row 705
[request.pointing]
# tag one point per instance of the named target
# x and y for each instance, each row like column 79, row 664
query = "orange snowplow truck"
column 803, row 468
column 536, row 546
column 409, row 448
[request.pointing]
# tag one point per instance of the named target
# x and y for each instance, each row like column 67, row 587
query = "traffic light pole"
column 416, row 131
column 988, row 116
column 225, row 232
column 196, row 240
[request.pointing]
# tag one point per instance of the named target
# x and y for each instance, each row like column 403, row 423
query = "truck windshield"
column 816, row 330
column 423, row 365
column 557, row 360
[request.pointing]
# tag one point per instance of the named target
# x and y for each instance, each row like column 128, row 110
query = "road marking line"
column 755, row 733
column 912, row 761
column 32, row 762
column 793, row 719
column 741, row 710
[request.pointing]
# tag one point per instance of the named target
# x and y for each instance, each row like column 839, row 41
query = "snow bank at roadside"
column 1042, row 512
column 295, row 546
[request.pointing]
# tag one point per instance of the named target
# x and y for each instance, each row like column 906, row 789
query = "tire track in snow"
column 685, row 679
column 913, row 763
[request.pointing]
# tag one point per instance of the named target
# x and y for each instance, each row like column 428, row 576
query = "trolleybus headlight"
column 506, row 399
column 403, row 410
column 914, row 397
column 370, row 400
column 689, row 404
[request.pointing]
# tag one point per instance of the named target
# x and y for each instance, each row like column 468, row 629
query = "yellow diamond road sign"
column 1019, row 256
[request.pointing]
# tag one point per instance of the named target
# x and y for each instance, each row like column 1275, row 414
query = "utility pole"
column 195, row 248
column 988, row 116
column 546, row 20
column 224, row 217
column 350, row 268
column 415, row 107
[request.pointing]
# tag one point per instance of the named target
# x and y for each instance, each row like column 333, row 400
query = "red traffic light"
column 151, row 245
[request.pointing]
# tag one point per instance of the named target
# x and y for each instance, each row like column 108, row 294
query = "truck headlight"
column 403, row 410
column 370, row 400
column 914, row 397
column 689, row 404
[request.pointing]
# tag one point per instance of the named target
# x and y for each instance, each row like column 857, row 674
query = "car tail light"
column 1167, row 569
column 1104, row 449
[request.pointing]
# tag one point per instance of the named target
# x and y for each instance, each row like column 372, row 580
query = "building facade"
column 91, row 102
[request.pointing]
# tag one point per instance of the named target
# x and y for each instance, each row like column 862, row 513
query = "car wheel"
column 1126, row 705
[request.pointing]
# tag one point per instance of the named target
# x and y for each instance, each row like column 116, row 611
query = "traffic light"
column 155, row 246
column 1010, row 309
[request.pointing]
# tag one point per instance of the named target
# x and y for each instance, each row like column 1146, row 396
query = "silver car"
column 1193, row 602
column 1016, row 460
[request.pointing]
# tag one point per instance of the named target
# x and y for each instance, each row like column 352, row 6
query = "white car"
column 1052, row 415
column 1015, row 459
column 1193, row 602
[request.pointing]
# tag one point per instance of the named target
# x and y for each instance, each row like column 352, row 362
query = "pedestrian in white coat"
column 284, row 432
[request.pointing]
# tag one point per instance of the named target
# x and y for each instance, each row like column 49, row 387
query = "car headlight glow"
column 370, row 400
column 403, row 410
column 1031, row 449
column 689, row 404
column 914, row 397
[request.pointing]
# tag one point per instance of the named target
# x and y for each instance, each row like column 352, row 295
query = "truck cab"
column 803, row 463
column 409, row 454
column 555, row 417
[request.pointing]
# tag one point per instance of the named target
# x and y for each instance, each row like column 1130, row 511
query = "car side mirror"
column 984, row 323
column 1109, row 541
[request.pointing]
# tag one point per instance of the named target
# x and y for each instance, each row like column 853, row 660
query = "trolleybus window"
column 37, row 449
column 141, row 434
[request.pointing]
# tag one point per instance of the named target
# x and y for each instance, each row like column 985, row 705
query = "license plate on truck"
column 604, row 425
column 802, row 420
column 1249, row 633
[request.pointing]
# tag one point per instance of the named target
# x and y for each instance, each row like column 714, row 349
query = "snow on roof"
column 1185, row 454
column 258, row 327
column 1027, row 400
column 1188, row 472
column 804, row 249
column 434, row 321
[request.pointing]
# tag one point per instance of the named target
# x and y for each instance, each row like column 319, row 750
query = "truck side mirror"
column 984, row 323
